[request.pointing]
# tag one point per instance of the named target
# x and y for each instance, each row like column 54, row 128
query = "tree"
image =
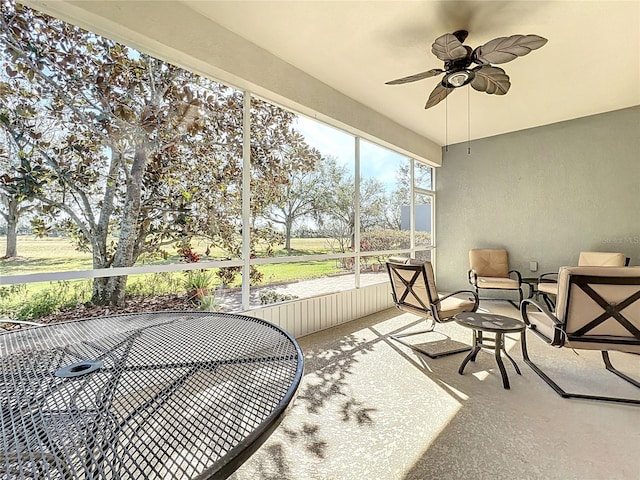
column 337, row 199
column 148, row 154
column 298, row 196
column 18, row 119
column 401, row 195
column 13, row 202
column 399, row 198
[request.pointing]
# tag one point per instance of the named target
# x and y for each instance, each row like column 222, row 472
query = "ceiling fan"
column 458, row 59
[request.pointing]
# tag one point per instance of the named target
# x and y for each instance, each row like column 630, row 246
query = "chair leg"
column 547, row 300
column 609, row 366
column 520, row 298
column 564, row 394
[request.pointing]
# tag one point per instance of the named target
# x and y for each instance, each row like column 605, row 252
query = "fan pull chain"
column 446, row 123
column 468, row 121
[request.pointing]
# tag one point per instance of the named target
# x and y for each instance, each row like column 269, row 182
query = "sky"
column 375, row 161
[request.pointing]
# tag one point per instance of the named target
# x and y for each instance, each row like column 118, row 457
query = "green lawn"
column 28, row 302
column 282, row 272
column 59, row 254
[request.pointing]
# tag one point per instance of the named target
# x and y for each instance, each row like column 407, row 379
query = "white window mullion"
column 356, row 233
column 412, row 213
column 246, row 198
column 433, row 218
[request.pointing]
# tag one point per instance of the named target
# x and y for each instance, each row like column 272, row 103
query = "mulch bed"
column 137, row 304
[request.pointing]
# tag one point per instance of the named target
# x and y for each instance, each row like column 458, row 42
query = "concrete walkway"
column 231, row 300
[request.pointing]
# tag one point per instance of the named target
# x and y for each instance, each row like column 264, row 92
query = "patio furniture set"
column 596, row 308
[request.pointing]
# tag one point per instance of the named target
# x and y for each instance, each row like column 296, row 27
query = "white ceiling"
column 590, row 65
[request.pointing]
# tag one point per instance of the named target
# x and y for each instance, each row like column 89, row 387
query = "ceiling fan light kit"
column 458, row 78
column 458, row 60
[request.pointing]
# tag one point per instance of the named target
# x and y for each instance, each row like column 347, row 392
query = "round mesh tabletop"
column 158, row 395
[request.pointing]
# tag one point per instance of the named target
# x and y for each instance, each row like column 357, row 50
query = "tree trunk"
column 12, row 228
column 287, row 235
column 111, row 290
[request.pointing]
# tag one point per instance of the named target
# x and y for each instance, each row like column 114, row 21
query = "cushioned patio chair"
column 490, row 270
column 598, row 308
column 548, row 282
column 413, row 288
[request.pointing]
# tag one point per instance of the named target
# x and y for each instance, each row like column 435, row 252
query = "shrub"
column 227, row 275
column 197, row 279
column 267, row 297
column 390, row 240
column 37, row 306
column 17, row 303
column 208, row 303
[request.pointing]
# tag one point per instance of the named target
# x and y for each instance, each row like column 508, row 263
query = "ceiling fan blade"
column 437, row 95
column 505, row 49
column 414, row 78
column 448, row 47
column 492, row 80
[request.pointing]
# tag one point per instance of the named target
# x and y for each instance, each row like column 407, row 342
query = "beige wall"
column 545, row 194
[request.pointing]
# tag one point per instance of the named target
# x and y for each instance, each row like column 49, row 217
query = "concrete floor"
column 371, row 408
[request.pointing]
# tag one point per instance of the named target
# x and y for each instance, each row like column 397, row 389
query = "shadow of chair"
column 414, row 290
column 598, row 308
column 489, row 269
column 548, row 282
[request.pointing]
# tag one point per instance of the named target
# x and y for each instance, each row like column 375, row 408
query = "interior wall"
column 544, row 194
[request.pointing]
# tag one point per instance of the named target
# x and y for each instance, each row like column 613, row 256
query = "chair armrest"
column 472, row 277
column 559, row 334
column 518, row 276
column 538, row 306
column 551, row 277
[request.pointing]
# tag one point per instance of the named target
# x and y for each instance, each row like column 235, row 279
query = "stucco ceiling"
column 590, row 65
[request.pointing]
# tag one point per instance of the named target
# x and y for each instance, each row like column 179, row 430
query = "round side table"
column 488, row 322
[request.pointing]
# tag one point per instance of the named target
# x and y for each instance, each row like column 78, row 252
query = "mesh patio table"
column 158, row 395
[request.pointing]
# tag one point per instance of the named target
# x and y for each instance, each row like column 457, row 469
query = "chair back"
column 599, row 307
column 413, row 286
column 489, row 262
column 602, row 259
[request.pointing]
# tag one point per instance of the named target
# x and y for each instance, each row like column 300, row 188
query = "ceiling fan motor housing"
column 458, row 73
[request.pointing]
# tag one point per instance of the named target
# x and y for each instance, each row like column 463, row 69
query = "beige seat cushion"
column 601, row 259
column 581, row 309
column 588, row 259
column 543, row 323
column 498, row 282
column 452, row 305
column 548, row 287
column 489, row 262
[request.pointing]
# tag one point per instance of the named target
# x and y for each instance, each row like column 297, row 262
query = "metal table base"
column 481, row 323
